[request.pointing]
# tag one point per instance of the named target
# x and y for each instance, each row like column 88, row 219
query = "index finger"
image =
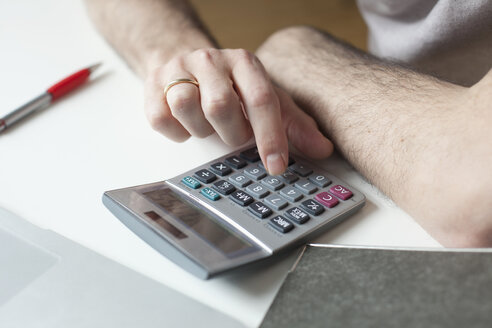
column 262, row 107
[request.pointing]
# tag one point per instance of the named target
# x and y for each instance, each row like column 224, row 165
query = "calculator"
column 230, row 212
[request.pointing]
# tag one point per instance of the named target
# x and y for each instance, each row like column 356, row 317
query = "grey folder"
column 357, row 287
column 47, row 280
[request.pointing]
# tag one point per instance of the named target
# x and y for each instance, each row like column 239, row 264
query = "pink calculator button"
column 341, row 192
column 326, row 199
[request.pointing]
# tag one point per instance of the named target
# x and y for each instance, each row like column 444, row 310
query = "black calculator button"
column 220, row 169
column 307, row 187
column 297, row 215
column 288, row 177
column 255, row 173
column 236, row 162
column 312, row 207
column 300, row 169
column 205, row 176
column 251, row 155
column 241, row 198
column 224, row 187
column 320, row 180
column 260, row 210
column 281, row 224
column 240, row 180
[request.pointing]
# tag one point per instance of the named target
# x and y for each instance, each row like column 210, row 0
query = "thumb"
column 302, row 131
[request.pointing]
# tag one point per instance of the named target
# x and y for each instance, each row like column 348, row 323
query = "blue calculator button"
column 210, row 194
column 190, row 182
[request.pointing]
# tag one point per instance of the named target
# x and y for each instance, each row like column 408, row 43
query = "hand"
column 236, row 99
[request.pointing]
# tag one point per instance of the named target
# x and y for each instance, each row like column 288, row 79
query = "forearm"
column 147, row 33
column 404, row 131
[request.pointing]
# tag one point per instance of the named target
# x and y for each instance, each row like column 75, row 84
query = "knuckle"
column 178, row 61
column 206, row 55
column 217, row 107
column 239, row 138
column 158, row 119
column 154, row 76
column 244, row 55
column 261, row 97
column 180, row 101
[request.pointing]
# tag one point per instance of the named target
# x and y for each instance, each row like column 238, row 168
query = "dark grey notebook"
column 359, row 287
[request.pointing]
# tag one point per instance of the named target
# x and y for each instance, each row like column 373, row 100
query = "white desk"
column 55, row 167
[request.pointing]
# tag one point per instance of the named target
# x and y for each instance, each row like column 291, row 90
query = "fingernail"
column 275, row 164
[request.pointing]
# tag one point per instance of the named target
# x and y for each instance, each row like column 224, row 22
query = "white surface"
column 55, row 167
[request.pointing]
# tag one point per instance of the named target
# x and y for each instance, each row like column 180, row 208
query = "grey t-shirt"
column 450, row 39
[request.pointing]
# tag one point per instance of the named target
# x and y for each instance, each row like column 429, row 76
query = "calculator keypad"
column 291, row 193
column 250, row 155
column 312, row 207
column 288, row 200
column 242, row 198
column 273, row 183
column 220, row 169
column 257, row 190
column 240, row 180
column 236, row 162
column 276, row 201
column 260, row 210
column 281, row 224
column 224, row 187
column 297, row 215
column 205, row 176
column 255, row 172
column 307, row 187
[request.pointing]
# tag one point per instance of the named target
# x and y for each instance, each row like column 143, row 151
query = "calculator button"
column 250, row 155
column 241, row 198
column 257, row 190
column 300, row 169
column 210, row 194
column 341, row 192
column 281, row 224
column 240, row 180
column 320, row 180
column 306, row 186
column 260, row 210
column 255, row 173
column 291, row 161
column 236, row 162
column 297, row 215
column 288, row 177
column 224, row 187
column 312, row 207
column 276, row 201
column 205, row 176
column 220, row 169
column 326, row 199
column 190, row 182
column 272, row 183
column 291, row 193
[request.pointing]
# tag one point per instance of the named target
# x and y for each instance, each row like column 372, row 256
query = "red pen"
column 44, row 100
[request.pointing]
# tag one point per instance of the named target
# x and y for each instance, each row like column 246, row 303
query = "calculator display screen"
column 199, row 221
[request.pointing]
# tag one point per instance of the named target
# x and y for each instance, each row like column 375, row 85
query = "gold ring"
column 179, row 81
